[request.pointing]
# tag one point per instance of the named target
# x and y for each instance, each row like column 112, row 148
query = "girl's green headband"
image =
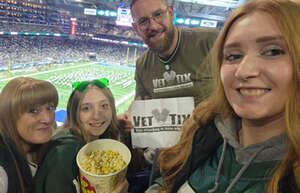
column 82, row 85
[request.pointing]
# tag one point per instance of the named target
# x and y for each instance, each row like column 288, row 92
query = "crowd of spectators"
column 23, row 27
column 18, row 14
column 27, row 17
column 22, row 50
column 22, row 11
column 119, row 31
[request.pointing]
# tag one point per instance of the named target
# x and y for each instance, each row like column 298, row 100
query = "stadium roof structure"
column 208, row 9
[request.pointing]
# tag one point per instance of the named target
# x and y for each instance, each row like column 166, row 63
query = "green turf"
column 121, row 78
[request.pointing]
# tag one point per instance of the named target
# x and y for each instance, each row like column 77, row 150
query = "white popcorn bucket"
column 92, row 183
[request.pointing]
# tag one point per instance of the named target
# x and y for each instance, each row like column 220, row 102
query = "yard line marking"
column 45, row 72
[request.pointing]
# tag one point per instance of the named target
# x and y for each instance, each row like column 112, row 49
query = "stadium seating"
column 26, row 51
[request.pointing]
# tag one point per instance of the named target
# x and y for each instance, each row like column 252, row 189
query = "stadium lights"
column 113, row 13
column 100, row 12
column 180, row 20
column 195, row 21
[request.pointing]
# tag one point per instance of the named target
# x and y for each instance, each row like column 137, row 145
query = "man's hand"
column 125, row 122
column 124, row 119
column 122, row 187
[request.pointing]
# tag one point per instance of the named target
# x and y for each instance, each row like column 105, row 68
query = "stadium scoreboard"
column 124, row 17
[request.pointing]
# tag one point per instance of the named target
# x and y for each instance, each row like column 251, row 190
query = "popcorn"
column 102, row 162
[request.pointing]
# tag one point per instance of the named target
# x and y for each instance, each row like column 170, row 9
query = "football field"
column 121, row 79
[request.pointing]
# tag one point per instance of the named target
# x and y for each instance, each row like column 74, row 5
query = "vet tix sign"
column 157, row 122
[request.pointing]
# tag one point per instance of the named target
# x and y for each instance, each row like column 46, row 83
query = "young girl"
column 26, row 123
column 245, row 137
column 91, row 115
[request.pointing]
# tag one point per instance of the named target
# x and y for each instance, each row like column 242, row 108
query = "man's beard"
column 163, row 45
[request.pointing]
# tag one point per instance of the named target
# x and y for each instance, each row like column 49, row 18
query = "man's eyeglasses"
column 156, row 16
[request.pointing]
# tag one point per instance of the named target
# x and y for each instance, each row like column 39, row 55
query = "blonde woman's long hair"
column 286, row 14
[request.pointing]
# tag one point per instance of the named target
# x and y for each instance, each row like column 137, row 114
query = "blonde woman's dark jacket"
column 9, row 156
